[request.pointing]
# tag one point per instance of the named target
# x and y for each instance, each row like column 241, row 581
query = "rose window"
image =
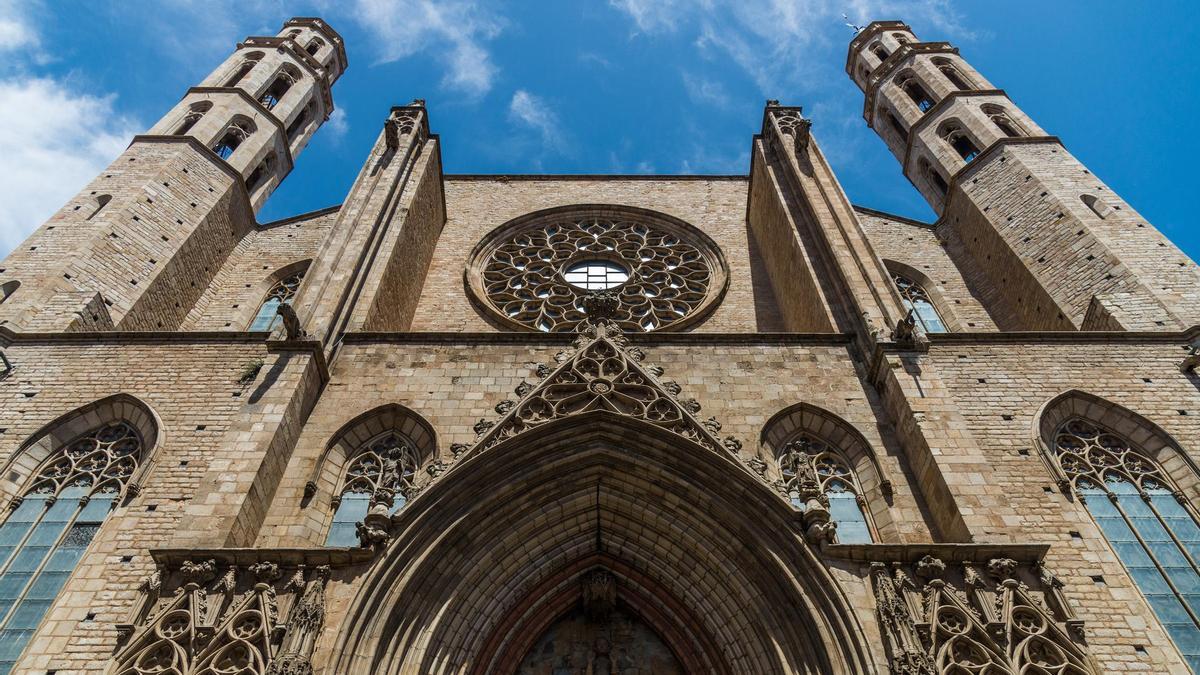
column 542, row 272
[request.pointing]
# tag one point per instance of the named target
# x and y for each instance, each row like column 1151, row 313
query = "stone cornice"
column 314, row 67
column 893, row 62
column 591, row 176
column 287, row 149
column 950, row 553
column 933, row 112
column 891, row 216
column 558, row 339
column 320, row 25
column 284, row 557
column 871, row 30
column 307, row 215
column 987, row 154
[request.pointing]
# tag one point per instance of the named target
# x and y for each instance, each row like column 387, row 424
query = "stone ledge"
column 890, row 553
column 312, row 557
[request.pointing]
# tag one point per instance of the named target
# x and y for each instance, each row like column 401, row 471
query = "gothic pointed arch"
column 599, row 491
column 353, row 461
column 280, row 286
column 1150, row 439
column 39, row 447
column 1133, row 480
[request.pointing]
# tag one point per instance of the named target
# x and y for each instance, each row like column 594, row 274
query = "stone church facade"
column 598, row 424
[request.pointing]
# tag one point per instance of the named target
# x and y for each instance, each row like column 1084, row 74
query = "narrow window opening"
column 233, row 137
column 282, row 293
column 298, row 125
column 916, row 299
column 813, row 469
column 101, row 202
column 917, row 93
column 879, row 52
column 261, row 173
column 274, row 93
column 384, row 466
column 896, row 126
column 314, row 46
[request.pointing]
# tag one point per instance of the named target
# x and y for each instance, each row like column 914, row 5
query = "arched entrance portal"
column 496, row 555
column 601, row 635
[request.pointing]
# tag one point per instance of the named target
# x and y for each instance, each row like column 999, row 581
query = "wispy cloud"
column 705, row 91
column 52, row 142
column 531, row 111
column 338, row 125
column 651, row 16
column 457, row 30
column 16, row 31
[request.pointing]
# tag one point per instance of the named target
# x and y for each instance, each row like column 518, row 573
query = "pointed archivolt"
column 601, row 371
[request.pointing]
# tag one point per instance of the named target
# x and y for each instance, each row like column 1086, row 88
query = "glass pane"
column 265, row 316
column 851, row 523
column 353, row 508
column 343, row 534
column 28, row 614
column 12, row 643
column 96, row 510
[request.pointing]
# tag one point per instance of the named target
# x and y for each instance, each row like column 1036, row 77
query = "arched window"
column 383, row 468
column 811, row 467
column 915, row 298
column 909, row 84
column 956, row 78
column 900, row 38
column 54, row 521
column 1097, row 206
column 297, row 126
column 896, row 126
column 1144, row 518
column 935, row 179
column 101, row 202
column 314, row 46
column 879, row 52
column 233, row 137
column 261, row 173
column 282, row 293
column 7, row 289
column 274, row 93
column 1002, row 121
column 244, row 68
column 958, row 139
column 194, row 113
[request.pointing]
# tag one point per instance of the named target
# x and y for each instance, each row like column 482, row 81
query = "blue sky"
column 621, row 86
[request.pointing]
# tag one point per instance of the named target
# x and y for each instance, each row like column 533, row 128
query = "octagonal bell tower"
column 1052, row 245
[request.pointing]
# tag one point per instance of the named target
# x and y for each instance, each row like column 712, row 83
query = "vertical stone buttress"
column 364, row 277
column 367, row 273
column 139, row 244
column 1050, row 246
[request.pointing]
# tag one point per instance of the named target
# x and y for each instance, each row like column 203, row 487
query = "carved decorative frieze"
column 252, row 619
column 1012, row 620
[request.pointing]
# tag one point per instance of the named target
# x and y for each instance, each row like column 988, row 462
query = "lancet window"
column 282, row 293
column 1144, row 518
column 812, row 469
column 383, row 470
column 52, row 524
column 916, row 298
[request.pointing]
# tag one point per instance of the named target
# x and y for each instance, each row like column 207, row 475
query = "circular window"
column 595, row 275
column 538, row 271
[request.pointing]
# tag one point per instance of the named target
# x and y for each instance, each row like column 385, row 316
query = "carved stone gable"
column 601, row 371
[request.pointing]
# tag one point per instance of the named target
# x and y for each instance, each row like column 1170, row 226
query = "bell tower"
column 137, row 246
column 1050, row 245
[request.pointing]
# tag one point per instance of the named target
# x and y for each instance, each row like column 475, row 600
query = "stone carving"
column 1087, row 454
column 106, row 458
column 599, row 594
column 598, row 373
column 670, row 273
column 291, row 323
column 792, row 124
column 384, row 468
column 230, row 625
column 964, row 624
column 908, row 331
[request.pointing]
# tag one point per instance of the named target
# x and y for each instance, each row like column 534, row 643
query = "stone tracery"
column 674, row 273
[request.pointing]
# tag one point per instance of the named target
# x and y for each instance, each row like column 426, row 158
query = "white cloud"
column 652, row 16
column 16, row 29
column 705, row 91
column 527, row 109
column 52, row 142
column 455, row 29
column 338, row 125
